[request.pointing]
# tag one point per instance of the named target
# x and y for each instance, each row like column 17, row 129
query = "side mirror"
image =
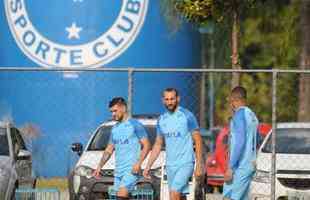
column 78, row 148
column 23, row 155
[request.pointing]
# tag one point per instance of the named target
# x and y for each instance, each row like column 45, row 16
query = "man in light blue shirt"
column 179, row 128
column 243, row 136
column 127, row 138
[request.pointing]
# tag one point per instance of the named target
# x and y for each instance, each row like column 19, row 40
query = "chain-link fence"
column 57, row 107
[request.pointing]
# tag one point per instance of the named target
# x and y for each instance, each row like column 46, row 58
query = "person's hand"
column 136, row 168
column 96, row 173
column 228, row 175
column 146, row 173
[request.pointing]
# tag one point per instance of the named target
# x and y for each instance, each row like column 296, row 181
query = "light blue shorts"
column 127, row 180
column 238, row 189
column 178, row 177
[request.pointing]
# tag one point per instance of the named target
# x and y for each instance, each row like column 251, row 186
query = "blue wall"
column 68, row 109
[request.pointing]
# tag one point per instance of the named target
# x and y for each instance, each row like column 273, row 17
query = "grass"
column 60, row 183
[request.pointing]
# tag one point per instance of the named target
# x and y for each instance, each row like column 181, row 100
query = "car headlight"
column 156, row 172
column 262, row 176
column 84, row 171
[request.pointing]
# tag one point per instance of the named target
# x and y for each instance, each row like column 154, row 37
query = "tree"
column 304, row 79
column 221, row 11
column 269, row 40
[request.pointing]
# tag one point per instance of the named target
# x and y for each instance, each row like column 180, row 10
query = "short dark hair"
column 117, row 100
column 171, row 90
column 239, row 92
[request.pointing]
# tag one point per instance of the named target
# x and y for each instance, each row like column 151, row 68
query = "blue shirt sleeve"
column 139, row 129
column 239, row 134
column 192, row 123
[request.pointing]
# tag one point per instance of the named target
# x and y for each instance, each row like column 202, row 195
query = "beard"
column 171, row 108
column 118, row 118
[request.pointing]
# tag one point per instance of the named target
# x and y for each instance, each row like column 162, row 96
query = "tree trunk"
column 304, row 80
column 234, row 47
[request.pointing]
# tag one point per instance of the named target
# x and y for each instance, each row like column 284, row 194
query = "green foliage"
column 270, row 37
column 196, row 11
column 202, row 11
column 222, row 107
column 269, row 40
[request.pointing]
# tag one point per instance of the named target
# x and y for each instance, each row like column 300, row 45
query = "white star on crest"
column 73, row 31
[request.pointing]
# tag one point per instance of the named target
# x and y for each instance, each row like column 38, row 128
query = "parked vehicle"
column 15, row 160
column 292, row 164
column 216, row 163
column 217, row 160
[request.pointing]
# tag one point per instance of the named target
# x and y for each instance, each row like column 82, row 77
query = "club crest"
column 74, row 33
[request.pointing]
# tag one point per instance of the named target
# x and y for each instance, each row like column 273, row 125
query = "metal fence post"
column 211, row 84
column 202, row 107
column 130, row 90
column 274, row 124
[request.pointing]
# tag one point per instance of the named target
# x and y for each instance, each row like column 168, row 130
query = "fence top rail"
column 131, row 69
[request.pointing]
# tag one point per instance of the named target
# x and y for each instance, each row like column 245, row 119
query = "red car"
column 217, row 161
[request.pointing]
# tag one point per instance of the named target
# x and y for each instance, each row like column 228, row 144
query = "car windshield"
column 4, row 145
column 290, row 141
column 101, row 139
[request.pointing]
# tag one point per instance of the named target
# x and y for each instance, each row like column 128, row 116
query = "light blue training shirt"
column 176, row 128
column 125, row 137
column 243, row 138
